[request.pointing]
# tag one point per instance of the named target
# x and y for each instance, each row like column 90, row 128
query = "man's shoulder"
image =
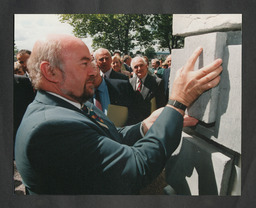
column 118, row 75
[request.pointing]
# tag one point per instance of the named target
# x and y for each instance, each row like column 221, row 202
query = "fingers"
column 211, row 84
column 210, row 76
column 189, row 121
column 192, row 59
column 209, row 68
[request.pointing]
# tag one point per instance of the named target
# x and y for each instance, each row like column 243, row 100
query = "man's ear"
column 49, row 73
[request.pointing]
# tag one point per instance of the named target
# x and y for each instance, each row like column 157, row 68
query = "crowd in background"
column 120, row 77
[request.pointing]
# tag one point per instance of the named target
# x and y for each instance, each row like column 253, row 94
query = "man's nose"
column 92, row 71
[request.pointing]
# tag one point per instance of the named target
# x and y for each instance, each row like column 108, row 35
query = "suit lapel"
column 133, row 83
column 146, row 87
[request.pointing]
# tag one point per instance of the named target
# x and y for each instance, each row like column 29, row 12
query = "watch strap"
column 177, row 104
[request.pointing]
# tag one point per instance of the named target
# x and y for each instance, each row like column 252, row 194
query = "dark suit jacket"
column 120, row 92
column 117, row 75
column 153, row 87
column 23, row 95
column 128, row 68
column 166, row 76
column 60, row 150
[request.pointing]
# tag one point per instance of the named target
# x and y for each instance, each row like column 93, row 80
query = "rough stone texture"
column 185, row 25
column 199, row 168
column 204, row 108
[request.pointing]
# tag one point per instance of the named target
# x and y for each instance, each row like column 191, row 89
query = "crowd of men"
column 65, row 143
column 120, row 80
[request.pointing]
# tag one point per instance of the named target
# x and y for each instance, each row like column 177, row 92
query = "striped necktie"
column 139, row 85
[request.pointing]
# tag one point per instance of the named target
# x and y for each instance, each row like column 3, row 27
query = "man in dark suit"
column 111, row 91
column 156, row 69
column 23, row 95
column 150, row 87
column 103, row 59
column 166, row 76
column 65, row 147
column 22, row 58
column 127, row 63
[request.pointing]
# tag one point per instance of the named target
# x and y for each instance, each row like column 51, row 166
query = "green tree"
column 161, row 25
column 15, row 52
column 111, row 31
column 150, row 52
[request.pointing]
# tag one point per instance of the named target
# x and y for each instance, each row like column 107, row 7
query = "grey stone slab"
column 204, row 108
column 213, row 45
column 228, row 126
column 191, row 24
column 229, row 116
column 199, row 168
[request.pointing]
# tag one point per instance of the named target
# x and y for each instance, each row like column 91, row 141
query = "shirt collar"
column 107, row 73
column 78, row 105
column 143, row 79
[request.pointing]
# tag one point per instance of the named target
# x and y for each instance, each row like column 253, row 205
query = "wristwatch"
column 177, row 104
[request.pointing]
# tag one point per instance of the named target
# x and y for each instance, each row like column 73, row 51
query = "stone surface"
column 191, row 24
column 204, row 108
column 199, row 168
column 227, row 130
column 229, row 116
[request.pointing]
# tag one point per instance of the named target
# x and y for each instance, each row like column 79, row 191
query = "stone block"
column 191, row 24
column 204, row 108
column 229, row 115
column 198, row 168
column 227, row 129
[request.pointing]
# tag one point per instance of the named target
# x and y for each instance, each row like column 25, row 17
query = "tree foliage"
column 15, row 52
column 123, row 32
column 150, row 52
column 161, row 25
column 111, row 31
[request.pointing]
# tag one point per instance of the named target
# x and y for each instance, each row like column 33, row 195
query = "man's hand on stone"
column 189, row 84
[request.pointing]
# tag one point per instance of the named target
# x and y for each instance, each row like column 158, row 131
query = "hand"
column 189, row 121
column 189, row 84
column 148, row 122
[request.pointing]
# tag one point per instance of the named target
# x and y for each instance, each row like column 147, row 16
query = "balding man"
column 103, row 59
column 64, row 146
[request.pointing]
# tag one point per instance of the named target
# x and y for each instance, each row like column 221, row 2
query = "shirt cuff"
column 141, row 130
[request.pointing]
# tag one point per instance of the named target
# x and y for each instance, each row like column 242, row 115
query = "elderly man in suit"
column 146, row 87
column 103, row 59
column 64, row 146
column 166, row 76
column 111, row 91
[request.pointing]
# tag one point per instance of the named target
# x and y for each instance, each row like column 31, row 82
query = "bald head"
column 54, row 49
column 169, row 60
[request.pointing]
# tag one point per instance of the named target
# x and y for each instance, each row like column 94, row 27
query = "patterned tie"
column 97, row 100
column 93, row 115
column 139, row 85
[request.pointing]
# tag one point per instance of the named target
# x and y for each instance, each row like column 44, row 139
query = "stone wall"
column 208, row 160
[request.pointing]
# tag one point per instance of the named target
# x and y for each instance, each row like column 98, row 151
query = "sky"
column 30, row 27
